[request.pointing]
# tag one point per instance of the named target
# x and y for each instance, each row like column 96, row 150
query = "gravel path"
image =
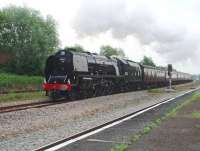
column 30, row 129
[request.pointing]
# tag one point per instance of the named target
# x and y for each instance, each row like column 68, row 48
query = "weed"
column 136, row 137
column 155, row 91
column 21, row 96
column 196, row 115
column 153, row 124
column 120, row 147
column 158, row 121
column 146, row 130
column 197, row 126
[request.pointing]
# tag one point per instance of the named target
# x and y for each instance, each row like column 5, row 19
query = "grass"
column 21, row 96
column 12, row 82
column 146, row 129
column 197, row 126
column 135, row 137
column 196, row 115
column 120, row 147
column 155, row 90
column 182, row 87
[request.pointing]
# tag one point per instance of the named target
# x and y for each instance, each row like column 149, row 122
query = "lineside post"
column 170, row 75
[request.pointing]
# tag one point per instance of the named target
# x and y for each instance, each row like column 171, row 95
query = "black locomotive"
column 79, row 75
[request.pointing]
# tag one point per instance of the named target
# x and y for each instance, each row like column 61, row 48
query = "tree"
column 148, row 61
column 108, row 51
column 120, row 52
column 27, row 37
column 76, row 48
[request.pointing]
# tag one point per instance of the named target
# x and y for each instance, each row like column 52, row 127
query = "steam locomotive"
column 75, row 75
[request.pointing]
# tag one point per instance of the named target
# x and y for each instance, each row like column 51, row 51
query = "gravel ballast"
column 32, row 128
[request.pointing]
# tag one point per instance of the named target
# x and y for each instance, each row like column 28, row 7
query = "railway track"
column 25, row 106
column 77, row 137
column 34, row 104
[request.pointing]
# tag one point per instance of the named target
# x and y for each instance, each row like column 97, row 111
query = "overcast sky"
column 166, row 30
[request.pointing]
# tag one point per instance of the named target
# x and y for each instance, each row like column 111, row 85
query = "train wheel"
column 110, row 89
column 54, row 95
column 90, row 93
column 72, row 95
column 97, row 90
column 105, row 90
column 87, row 93
column 102, row 90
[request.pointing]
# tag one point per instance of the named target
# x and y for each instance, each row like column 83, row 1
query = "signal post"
column 169, row 68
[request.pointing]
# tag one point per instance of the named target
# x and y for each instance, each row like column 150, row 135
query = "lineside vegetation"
column 13, row 82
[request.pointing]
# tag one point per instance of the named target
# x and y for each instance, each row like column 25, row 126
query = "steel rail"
column 25, row 106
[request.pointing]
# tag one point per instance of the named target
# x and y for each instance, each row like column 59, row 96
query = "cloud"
column 172, row 40
column 97, row 16
column 178, row 50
